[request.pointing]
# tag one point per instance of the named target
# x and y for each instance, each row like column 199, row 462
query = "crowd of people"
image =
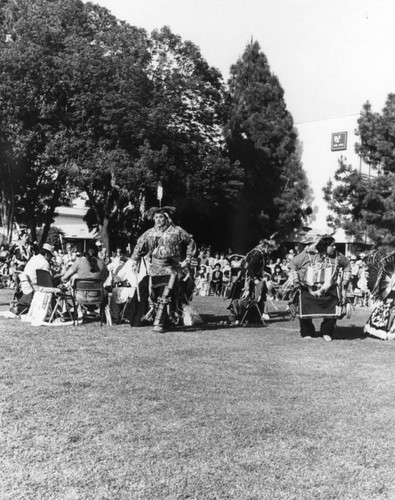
column 213, row 273
column 156, row 282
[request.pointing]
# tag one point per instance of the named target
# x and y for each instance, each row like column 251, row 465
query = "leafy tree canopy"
column 88, row 103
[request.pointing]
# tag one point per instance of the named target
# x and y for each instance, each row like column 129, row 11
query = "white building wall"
column 70, row 220
column 320, row 162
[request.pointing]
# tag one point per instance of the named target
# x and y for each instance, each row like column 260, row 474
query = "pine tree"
column 365, row 205
column 260, row 136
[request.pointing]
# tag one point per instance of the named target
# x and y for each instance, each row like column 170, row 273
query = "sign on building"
column 339, row 141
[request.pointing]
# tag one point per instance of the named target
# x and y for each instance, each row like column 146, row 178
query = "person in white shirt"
column 125, row 284
column 115, row 260
column 28, row 278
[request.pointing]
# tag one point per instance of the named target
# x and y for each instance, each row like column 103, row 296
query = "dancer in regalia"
column 381, row 283
column 322, row 274
column 249, row 291
column 169, row 249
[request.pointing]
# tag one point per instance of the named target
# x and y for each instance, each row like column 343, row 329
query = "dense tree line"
column 91, row 104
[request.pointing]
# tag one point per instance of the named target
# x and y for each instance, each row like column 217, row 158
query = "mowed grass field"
column 96, row 413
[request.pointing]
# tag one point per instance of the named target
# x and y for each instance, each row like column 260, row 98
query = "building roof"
column 71, row 211
column 77, row 231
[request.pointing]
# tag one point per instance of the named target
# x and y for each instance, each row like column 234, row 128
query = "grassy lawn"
column 92, row 412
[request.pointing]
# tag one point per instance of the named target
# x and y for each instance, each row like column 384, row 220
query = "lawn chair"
column 63, row 302
column 90, row 292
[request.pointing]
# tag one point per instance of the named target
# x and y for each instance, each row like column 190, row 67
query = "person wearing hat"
column 22, row 252
column 169, row 249
column 201, row 281
column 316, row 270
column 28, row 278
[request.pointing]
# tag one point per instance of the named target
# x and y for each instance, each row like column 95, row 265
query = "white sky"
column 331, row 56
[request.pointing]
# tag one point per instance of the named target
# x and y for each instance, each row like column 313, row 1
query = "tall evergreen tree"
column 260, row 136
column 364, row 205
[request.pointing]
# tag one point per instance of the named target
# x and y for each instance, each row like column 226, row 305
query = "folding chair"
column 17, row 306
column 249, row 304
column 64, row 304
column 254, row 305
column 90, row 292
column 226, row 287
column 125, row 308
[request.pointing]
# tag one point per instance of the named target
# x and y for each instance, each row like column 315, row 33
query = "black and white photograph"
column 197, row 250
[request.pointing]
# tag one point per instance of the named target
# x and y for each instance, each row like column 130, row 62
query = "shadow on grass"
column 350, row 332
column 222, row 322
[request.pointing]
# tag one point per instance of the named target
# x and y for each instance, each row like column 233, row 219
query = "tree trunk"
column 33, row 231
column 7, row 207
column 105, row 237
column 51, row 209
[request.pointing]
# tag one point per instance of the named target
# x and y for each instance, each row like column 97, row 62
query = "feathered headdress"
column 168, row 211
column 381, row 279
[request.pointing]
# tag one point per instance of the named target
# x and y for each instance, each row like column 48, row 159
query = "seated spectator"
column 226, row 283
column 211, row 261
column 102, row 252
column 361, row 292
column 285, row 266
column 216, row 280
column 125, row 282
column 70, row 258
column 215, row 260
column 87, row 266
column 273, row 264
column 276, row 281
column 5, row 258
column 201, row 256
column 28, row 278
column 201, row 282
column 354, row 274
column 115, row 260
column 223, row 261
column 194, row 266
column 235, row 262
column 22, row 252
column 4, row 254
column 59, row 257
column 290, row 255
column 57, row 264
